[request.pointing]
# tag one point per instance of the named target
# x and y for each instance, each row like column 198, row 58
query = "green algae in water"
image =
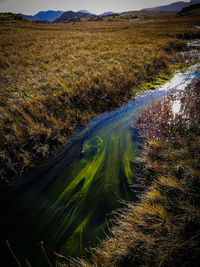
column 67, row 207
column 92, row 147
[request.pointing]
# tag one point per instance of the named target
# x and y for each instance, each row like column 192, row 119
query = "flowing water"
column 65, row 203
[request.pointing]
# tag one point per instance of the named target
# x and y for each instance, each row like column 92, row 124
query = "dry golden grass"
column 55, row 77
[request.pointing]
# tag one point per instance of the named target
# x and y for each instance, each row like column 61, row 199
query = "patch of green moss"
column 163, row 77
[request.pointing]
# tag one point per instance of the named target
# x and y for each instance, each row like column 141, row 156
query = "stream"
column 66, row 202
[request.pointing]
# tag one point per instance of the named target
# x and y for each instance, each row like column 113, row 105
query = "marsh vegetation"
column 56, row 77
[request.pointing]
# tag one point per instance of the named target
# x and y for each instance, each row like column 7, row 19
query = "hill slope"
column 30, row 17
column 66, row 16
column 193, row 2
column 177, row 6
column 10, row 17
column 193, row 10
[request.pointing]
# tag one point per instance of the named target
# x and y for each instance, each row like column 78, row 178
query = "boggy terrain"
column 56, row 77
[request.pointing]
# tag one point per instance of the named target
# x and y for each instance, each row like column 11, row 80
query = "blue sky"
column 31, row 7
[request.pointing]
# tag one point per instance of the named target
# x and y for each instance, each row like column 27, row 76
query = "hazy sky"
column 30, row 7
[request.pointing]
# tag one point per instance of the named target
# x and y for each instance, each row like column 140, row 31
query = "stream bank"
column 162, row 227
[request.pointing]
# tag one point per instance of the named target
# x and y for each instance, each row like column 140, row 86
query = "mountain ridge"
column 176, row 6
column 69, row 15
column 61, row 16
column 49, row 15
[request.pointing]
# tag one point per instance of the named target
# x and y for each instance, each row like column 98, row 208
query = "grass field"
column 56, row 77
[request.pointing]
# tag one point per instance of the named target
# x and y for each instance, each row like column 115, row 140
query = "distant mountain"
column 69, row 15
column 85, row 11
column 49, row 15
column 29, row 17
column 146, row 15
column 177, row 6
column 107, row 13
